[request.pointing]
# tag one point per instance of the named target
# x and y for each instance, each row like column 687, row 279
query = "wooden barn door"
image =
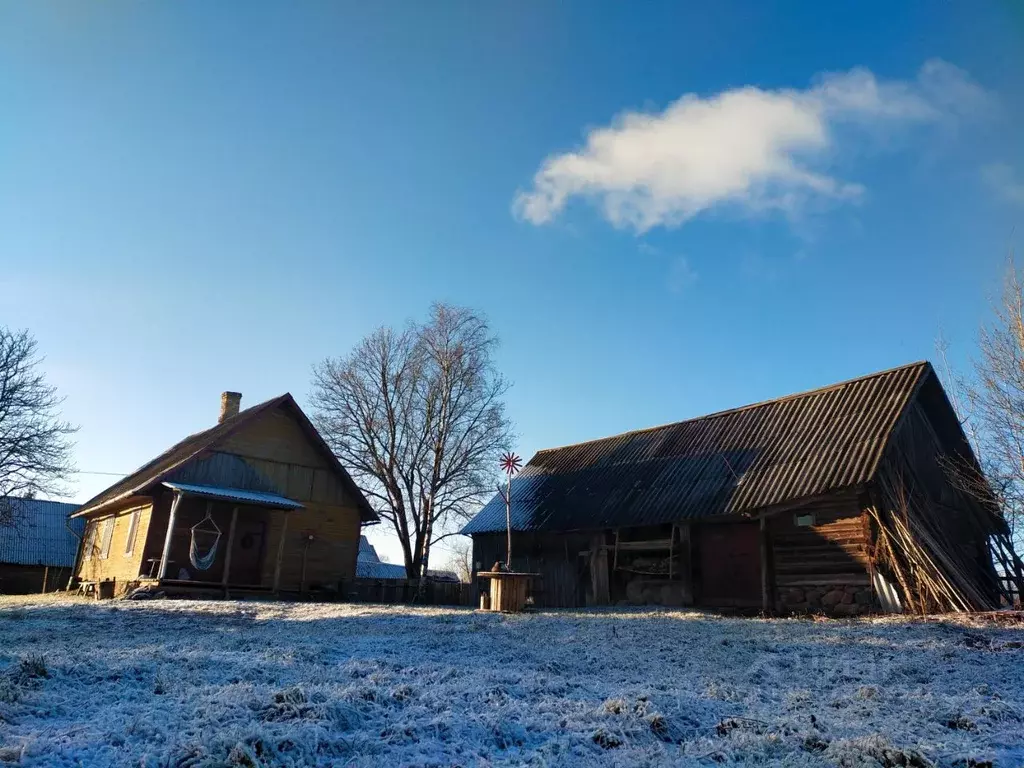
column 730, row 564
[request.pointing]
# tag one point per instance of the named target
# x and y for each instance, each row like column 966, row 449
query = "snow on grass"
column 182, row 683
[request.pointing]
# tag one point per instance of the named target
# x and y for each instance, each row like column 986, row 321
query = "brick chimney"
column 229, row 405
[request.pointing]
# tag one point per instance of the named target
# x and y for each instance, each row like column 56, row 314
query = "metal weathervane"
column 510, row 465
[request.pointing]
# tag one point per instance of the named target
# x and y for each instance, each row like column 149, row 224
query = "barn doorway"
column 729, row 555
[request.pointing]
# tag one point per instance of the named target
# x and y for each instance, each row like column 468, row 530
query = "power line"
column 91, row 472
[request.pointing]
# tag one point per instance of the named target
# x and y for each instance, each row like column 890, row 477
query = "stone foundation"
column 657, row 592
column 852, row 600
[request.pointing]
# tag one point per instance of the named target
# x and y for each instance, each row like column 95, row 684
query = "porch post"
column 766, row 587
column 231, row 541
column 280, row 552
column 167, row 538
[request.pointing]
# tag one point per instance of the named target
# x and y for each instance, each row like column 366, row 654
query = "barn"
column 257, row 504
column 846, row 500
column 38, row 544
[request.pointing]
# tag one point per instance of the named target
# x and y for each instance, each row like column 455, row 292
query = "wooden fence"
column 401, row 591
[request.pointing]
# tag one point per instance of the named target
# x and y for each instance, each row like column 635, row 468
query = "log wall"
column 823, row 567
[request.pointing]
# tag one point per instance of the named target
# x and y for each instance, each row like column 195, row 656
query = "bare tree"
column 990, row 405
column 35, row 445
column 417, row 416
column 460, row 560
column 994, row 403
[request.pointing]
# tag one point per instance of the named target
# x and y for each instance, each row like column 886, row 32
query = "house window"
column 803, row 521
column 108, row 534
column 133, row 527
column 90, row 540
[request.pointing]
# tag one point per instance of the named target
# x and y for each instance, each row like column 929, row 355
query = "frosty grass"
column 183, row 683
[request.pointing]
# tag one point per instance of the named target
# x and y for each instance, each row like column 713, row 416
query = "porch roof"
column 238, row 495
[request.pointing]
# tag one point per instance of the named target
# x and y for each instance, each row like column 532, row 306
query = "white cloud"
column 756, row 149
column 1002, row 179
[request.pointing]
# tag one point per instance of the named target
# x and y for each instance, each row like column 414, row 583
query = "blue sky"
column 205, row 196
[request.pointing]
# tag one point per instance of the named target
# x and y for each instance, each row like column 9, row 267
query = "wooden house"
column 257, row 503
column 842, row 500
column 38, row 544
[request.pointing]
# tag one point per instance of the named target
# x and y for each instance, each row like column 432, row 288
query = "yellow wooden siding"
column 275, row 436
column 330, row 556
column 117, row 565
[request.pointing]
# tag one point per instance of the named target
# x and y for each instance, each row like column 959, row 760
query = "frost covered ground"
column 172, row 683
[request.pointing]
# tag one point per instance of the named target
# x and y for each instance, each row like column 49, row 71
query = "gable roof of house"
column 730, row 462
column 40, row 534
column 193, row 446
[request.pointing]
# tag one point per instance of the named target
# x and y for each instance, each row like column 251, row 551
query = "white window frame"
column 133, row 531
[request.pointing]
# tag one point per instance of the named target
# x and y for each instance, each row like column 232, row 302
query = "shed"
column 840, row 499
column 257, row 503
column 369, row 565
column 38, row 544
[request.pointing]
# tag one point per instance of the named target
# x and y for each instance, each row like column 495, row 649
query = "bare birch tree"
column 417, row 417
column 35, row 443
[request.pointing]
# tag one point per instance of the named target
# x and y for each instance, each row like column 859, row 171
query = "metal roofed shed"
column 703, row 511
column 37, row 551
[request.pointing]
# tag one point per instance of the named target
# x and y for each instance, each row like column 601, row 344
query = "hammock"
column 203, row 562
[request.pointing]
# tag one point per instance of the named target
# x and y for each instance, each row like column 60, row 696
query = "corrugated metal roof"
column 369, row 566
column 726, row 463
column 235, row 494
column 39, row 535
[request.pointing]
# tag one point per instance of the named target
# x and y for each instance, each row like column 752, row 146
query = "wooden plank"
column 167, row 537
column 280, row 552
column 231, row 543
column 765, row 586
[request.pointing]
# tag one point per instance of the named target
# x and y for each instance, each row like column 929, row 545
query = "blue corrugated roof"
column 39, row 534
column 369, row 566
column 235, row 494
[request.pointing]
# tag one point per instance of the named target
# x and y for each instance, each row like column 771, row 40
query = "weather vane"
column 510, row 464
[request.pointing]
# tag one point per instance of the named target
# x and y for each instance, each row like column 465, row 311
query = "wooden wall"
column 118, row 565
column 555, row 556
column 29, row 579
column 823, row 567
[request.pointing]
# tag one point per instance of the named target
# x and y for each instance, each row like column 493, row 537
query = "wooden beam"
column 766, row 590
column 305, row 554
column 280, row 551
column 167, row 537
column 671, row 545
column 615, row 561
column 46, row 576
column 231, row 543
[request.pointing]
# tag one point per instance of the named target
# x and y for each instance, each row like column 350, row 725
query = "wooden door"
column 730, row 564
column 247, row 552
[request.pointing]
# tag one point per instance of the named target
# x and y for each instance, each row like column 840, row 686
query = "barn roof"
column 730, row 462
column 193, row 446
column 41, row 533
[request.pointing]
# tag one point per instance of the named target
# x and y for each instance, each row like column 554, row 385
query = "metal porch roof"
column 238, row 495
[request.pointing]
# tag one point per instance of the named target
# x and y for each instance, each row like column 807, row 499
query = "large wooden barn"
column 257, row 503
column 839, row 500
